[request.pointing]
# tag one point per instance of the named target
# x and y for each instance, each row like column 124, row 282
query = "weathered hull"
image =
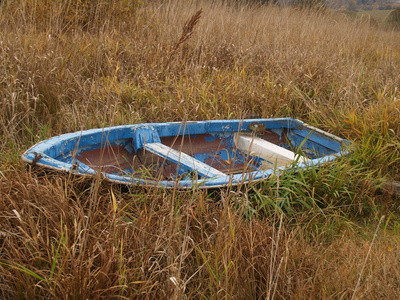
column 201, row 154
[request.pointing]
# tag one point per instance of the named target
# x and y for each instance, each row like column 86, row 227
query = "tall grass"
column 308, row 234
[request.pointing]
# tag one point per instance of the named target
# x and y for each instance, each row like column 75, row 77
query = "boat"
column 205, row 154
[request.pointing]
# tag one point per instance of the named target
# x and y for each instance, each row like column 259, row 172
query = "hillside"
column 69, row 65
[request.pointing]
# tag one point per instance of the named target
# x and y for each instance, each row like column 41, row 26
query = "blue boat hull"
column 205, row 154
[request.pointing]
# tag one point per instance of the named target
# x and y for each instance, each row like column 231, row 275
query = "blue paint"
column 145, row 135
column 210, row 138
column 59, row 152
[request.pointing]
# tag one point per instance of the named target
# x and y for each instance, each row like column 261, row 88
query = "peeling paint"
column 208, row 148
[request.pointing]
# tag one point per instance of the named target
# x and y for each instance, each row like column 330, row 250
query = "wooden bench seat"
column 181, row 158
column 272, row 154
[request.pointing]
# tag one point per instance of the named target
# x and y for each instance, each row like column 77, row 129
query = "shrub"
column 393, row 18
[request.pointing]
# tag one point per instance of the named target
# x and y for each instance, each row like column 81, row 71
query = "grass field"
column 378, row 15
column 331, row 233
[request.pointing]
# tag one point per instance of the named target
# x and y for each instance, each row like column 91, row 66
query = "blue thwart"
column 204, row 154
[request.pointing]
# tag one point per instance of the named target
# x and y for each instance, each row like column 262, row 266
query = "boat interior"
column 200, row 155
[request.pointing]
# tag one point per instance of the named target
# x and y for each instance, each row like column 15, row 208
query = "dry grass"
column 63, row 237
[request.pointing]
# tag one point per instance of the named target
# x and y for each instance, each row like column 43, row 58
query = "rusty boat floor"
column 205, row 153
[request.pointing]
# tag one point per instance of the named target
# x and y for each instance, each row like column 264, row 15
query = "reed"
column 319, row 233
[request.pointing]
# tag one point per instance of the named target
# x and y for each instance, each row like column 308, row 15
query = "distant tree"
column 352, row 5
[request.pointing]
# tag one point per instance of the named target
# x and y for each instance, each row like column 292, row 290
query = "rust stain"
column 116, row 159
column 110, row 159
column 200, row 143
column 272, row 137
column 235, row 165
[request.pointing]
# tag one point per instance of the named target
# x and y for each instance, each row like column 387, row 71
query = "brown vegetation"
column 306, row 235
